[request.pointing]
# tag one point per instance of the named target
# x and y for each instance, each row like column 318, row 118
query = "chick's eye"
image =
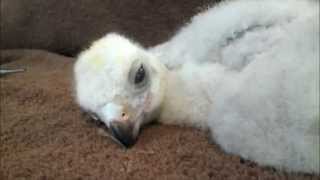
column 140, row 75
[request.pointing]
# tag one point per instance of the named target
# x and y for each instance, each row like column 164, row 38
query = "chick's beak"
column 123, row 132
column 123, row 129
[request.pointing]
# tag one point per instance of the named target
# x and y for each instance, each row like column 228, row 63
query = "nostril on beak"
column 123, row 132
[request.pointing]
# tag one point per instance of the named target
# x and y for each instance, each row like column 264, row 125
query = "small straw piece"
column 9, row 71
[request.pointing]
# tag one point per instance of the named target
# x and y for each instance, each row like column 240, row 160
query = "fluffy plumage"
column 246, row 70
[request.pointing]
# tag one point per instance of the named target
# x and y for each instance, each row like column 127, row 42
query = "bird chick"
column 246, row 70
column 120, row 84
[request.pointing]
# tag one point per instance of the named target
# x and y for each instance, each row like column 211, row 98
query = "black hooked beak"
column 123, row 132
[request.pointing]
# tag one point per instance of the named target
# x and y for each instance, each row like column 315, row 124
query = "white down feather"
column 248, row 70
column 258, row 64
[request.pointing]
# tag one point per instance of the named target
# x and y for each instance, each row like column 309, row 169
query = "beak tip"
column 129, row 144
column 122, row 135
column 126, row 142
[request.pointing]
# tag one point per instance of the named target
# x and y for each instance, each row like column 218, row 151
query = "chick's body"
column 246, row 70
column 249, row 70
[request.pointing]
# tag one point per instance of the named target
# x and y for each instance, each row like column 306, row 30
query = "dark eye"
column 140, row 75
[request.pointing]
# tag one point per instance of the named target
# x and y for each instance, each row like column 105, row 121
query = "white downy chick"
column 120, row 84
column 246, row 70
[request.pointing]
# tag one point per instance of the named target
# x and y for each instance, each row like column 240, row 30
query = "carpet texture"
column 44, row 135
